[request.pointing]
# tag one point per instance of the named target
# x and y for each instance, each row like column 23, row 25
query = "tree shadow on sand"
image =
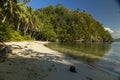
column 33, row 65
column 42, row 56
column 29, row 67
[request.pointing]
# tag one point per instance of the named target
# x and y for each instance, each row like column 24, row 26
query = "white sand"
column 37, row 62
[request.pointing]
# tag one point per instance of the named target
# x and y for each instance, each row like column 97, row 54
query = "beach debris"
column 4, row 49
column 72, row 69
column 8, row 49
column 25, row 46
column 53, row 68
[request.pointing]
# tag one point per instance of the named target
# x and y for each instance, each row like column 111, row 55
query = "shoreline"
column 53, row 65
column 108, row 71
column 73, row 53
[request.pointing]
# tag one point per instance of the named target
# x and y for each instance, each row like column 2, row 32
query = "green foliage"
column 48, row 34
column 7, row 33
column 19, row 22
column 15, row 36
column 27, row 37
column 69, row 25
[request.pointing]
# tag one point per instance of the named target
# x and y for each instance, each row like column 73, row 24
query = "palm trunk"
column 26, row 29
column 33, row 34
column 4, row 19
column 18, row 27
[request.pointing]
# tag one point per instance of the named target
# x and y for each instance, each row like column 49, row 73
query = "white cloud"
column 118, row 31
column 108, row 29
column 116, row 34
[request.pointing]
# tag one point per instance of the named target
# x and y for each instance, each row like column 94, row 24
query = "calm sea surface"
column 112, row 61
column 109, row 55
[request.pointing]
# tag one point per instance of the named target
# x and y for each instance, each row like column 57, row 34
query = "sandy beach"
column 34, row 61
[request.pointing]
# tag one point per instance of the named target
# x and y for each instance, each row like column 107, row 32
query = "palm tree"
column 23, row 18
column 26, row 17
column 8, row 8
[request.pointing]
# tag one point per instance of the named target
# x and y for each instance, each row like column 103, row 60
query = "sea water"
column 109, row 54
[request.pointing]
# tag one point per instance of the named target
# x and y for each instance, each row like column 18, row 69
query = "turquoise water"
column 109, row 54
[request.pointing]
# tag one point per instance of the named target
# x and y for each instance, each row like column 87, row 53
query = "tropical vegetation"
column 53, row 23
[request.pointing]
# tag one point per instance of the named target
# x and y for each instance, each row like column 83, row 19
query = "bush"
column 15, row 36
column 7, row 33
column 48, row 34
column 27, row 37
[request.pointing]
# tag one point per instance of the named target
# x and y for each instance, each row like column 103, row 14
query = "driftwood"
column 5, row 49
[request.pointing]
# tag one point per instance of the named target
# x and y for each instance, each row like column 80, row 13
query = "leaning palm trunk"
column 26, row 29
column 18, row 26
column 3, row 21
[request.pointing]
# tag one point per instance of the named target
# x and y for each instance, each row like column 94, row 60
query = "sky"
column 107, row 12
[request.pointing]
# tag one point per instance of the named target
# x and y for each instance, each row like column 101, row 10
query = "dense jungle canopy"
column 53, row 23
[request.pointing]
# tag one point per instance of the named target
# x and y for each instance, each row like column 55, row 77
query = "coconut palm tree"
column 8, row 8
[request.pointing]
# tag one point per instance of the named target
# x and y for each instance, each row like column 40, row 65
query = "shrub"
column 27, row 37
column 7, row 33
